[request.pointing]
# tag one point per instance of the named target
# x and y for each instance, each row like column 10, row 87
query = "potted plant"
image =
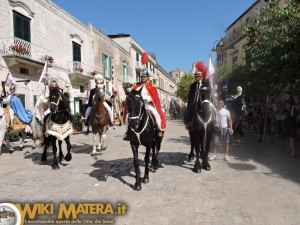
column 93, row 73
column 76, row 121
column 19, row 49
column 78, row 69
column 48, row 58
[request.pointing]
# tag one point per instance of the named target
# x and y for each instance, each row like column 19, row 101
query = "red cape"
column 152, row 90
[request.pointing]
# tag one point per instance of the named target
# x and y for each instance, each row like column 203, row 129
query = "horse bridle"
column 102, row 93
column 57, row 103
column 210, row 116
column 139, row 117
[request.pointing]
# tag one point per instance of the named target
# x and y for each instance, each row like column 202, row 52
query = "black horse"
column 57, row 126
column 142, row 131
column 201, row 133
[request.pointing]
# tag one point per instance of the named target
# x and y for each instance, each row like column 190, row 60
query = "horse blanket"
column 24, row 115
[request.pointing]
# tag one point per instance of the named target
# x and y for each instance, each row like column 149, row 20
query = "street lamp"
column 214, row 48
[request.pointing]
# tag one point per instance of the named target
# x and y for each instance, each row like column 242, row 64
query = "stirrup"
column 160, row 134
column 125, row 137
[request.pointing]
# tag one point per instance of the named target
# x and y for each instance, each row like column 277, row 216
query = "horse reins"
column 140, row 117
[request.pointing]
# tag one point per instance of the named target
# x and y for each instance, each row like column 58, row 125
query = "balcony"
column 80, row 73
column 139, row 66
column 16, row 50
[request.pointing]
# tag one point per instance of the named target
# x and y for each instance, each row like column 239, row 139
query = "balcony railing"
column 76, row 67
column 18, row 47
column 139, row 65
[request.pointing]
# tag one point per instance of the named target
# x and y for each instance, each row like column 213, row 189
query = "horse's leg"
column 135, row 152
column 87, row 126
column 55, row 165
column 69, row 147
column 204, row 156
column 192, row 154
column 94, row 152
column 22, row 139
column 103, row 144
column 99, row 141
column 197, row 166
column 46, row 146
column 147, row 160
column 60, row 154
column 156, row 148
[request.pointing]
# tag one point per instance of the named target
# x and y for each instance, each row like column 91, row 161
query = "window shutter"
column 109, row 68
column 103, row 64
column 76, row 52
column 22, row 99
column 26, row 30
column 21, row 26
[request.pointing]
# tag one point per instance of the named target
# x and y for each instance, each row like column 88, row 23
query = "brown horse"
column 99, row 120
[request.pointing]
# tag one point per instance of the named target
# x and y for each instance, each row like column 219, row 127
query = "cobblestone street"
column 260, row 185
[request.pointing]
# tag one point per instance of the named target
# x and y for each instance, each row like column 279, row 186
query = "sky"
column 178, row 32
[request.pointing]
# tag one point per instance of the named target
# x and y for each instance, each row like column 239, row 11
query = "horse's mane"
column 40, row 107
column 66, row 101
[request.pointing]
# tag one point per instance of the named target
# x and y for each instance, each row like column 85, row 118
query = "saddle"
column 151, row 116
column 18, row 124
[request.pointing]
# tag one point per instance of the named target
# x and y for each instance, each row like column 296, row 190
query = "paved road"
column 260, row 185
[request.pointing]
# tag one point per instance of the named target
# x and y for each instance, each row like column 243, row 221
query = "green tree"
column 183, row 86
column 273, row 48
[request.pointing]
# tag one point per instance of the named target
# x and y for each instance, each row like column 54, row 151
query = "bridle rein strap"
column 140, row 117
column 210, row 116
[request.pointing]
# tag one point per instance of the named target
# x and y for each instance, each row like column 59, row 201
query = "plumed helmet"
column 200, row 69
column 144, row 72
column 53, row 83
column 99, row 79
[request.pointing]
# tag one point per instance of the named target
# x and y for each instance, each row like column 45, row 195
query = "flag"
column 193, row 69
column 44, row 74
column 9, row 80
column 211, row 71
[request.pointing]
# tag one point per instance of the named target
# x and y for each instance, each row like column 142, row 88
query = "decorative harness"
column 198, row 96
column 99, row 117
column 140, row 117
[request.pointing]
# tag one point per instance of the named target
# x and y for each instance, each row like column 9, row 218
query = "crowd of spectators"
column 277, row 119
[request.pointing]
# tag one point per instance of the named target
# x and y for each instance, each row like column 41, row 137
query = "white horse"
column 3, row 132
column 35, row 127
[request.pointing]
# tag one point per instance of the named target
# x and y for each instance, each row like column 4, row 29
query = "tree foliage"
column 183, row 86
column 274, row 49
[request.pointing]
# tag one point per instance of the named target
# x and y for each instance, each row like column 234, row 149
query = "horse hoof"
column 206, row 167
column 145, row 180
column 55, row 167
column 68, row 157
column 11, row 151
column 103, row 147
column 197, row 170
column 138, row 187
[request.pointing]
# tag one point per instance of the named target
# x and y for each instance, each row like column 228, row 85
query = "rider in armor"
column 99, row 80
column 150, row 96
column 199, row 89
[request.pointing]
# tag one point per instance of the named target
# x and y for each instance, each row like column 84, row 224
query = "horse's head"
column 100, row 92
column 135, row 105
column 55, row 99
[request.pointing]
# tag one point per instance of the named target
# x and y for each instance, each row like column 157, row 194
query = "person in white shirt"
column 225, row 123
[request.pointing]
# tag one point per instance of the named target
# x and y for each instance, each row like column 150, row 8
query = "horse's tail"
column 46, row 142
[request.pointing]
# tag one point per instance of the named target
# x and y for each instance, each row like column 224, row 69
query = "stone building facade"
column 33, row 30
